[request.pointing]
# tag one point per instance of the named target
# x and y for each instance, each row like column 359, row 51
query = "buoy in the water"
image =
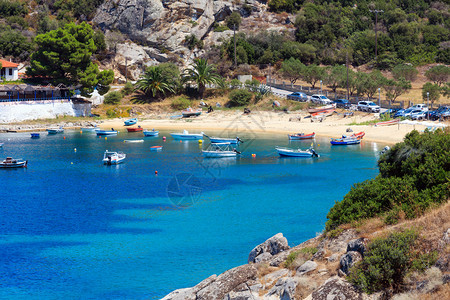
column 81, row 131
column 180, row 141
column 106, row 138
column 64, row 137
column 71, row 163
column 75, row 149
column 164, row 138
column 156, row 172
column 253, row 155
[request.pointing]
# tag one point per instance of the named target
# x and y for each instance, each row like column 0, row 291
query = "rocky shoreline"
column 315, row 269
column 43, row 127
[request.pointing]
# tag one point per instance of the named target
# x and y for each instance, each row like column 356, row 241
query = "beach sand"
column 230, row 122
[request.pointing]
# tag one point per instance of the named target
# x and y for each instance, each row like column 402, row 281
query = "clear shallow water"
column 75, row 229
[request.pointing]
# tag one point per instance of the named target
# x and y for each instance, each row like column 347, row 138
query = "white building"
column 9, row 71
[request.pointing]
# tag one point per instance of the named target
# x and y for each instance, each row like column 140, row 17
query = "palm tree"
column 155, row 83
column 202, row 74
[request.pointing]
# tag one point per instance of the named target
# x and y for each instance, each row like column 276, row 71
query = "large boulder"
column 284, row 289
column 358, row 245
column 307, row 267
column 273, row 245
column 336, row 288
column 348, row 260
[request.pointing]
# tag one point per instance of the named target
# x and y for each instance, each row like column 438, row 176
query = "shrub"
column 127, row 89
column 386, row 263
column 240, row 97
column 113, row 98
column 290, row 259
column 180, row 103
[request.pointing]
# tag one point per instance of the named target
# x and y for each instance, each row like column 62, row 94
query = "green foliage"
column 193, row 42
column 413, row 176
column 313, row 74
column 99, row 40
column 180, row 103
column 171, row 71
column 14, row 43
column 309, row 250
column 240, row 97
column 424, row 261
column 78, row 8
column 155, row 83
column 396, row 88
column 113, row 98
column 433, row 90
column 292, row 69
column 290, row 259
column 234, row 20
column 201, row 73
column 406, row 71
column 128, row 89
column 336, row 77
column 12, row 8
column 438, row 74
column 385, row 264
column 284, row 5
column 235, row 83
column 220, row 28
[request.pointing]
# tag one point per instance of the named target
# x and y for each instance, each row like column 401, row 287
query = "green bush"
column 413, row 176
column 113, row 98
column 385, row 264
column 180, row 103
column 290, row 259
column 240, row 97
column 128, row 89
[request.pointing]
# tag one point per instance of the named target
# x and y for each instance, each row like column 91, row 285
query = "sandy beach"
column 230, row 122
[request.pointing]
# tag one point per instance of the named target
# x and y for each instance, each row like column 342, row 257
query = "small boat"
column 135, row 129
column 189, row 112
column 35, row 135
column 217, row 150
column 152, row 132
column 345, row 141
column 131, row 121
column 106, row 132
column 133, row 141
column 89, row 129
column 282, row 151
column 358, row 135
column 156, row 148
column 1, row 145
column 113, row 158
column 55, row 130
column 301, row 136
column 10, row 162
column 387, row 123
column 322, row 109
column 185, row 135
column 216, row 140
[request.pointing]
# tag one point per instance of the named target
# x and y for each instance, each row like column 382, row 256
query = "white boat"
column 152, row 132
column 1, row 145
column 220, row 150
column 89, row 129
column 235, row 140
column 133, row 141
column 113, row 158
column 185, row 135
column 10, row 162
column 296, row 152
column 55, row 130
column 106, row 132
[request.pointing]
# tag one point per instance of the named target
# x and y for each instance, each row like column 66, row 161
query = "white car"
column 368, row 106
column 422, row 107
column 321, row 99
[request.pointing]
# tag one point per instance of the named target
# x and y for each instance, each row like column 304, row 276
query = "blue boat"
column 185, row 135
column 106, row 132
column 131, row 122
column 345, row 141
column 152, row 132
column 35, row 135
column 220, row 140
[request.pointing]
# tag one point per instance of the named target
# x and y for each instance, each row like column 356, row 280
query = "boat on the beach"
column 35, row 135
column 156, row 148
column 185, row 135
column 323, row 109
column 216, row 140
column 130, row 122
column 135, row 129
column 106, row 132
column 387, row 123
column 358, row 135
column 55, row 130
column 189, row 112
column 113, row 158
column 345, row 141
column 217, row 150
column 301, row 136
column 283, row 151
column 133, row 141
column 10, row 163
column 152, row 132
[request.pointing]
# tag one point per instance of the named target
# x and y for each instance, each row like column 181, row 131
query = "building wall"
column 14, row 76
column 23, row 111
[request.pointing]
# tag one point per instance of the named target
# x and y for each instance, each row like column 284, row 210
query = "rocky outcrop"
column 358, row 245
column 272, row 246
column 348, row 260
column 336, row 288
column 307, row 267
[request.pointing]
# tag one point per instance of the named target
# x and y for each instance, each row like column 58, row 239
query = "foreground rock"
column 266, row 250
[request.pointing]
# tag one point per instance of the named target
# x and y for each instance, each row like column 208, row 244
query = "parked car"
column 368, row 106
column 438, row 113
column 298, row 96
column 419, row 115
column 399, row 113
column 342, row 103
column 423, row 107
column 409, row 112
column 391, row 112
column 321, row 99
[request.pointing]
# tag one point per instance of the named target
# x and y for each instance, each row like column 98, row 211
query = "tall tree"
column 396, row 88
column 335, row 77
column 406, row 71
column 438, row 74
column 154, row 82
column 64, row 55
column 292, row 69
column 313, row 74
column 433, row 90
column 201, row 73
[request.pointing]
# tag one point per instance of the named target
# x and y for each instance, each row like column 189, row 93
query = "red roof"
column 8, row 64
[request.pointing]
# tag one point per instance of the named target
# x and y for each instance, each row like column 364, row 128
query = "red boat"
column 301, row 136
column 322, row 109
column 135, row 129
column 358, row 135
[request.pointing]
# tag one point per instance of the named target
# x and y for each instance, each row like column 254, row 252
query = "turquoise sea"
column 72, row 228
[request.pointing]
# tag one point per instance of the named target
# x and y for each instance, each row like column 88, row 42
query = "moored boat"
column 1, row 145
column 189, row 112
column 106, row 132
column 133, row 141
column 152, row 132
column 35, row 135
column 55, row 130
column 216, row 140
column 89, row 129
column 217, row 150
column 185, row 135
column 130, row 122
column 135, row 129
column 156, row 148
column 282, row 151
column 301, row 136
column 113, row 158
column 10, row 162
column 345, row 141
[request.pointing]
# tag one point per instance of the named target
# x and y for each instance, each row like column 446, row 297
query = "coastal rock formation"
column 272, row 246
column 307, row 267
column 358, row 245
column 336, row 288
column 349, row 260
